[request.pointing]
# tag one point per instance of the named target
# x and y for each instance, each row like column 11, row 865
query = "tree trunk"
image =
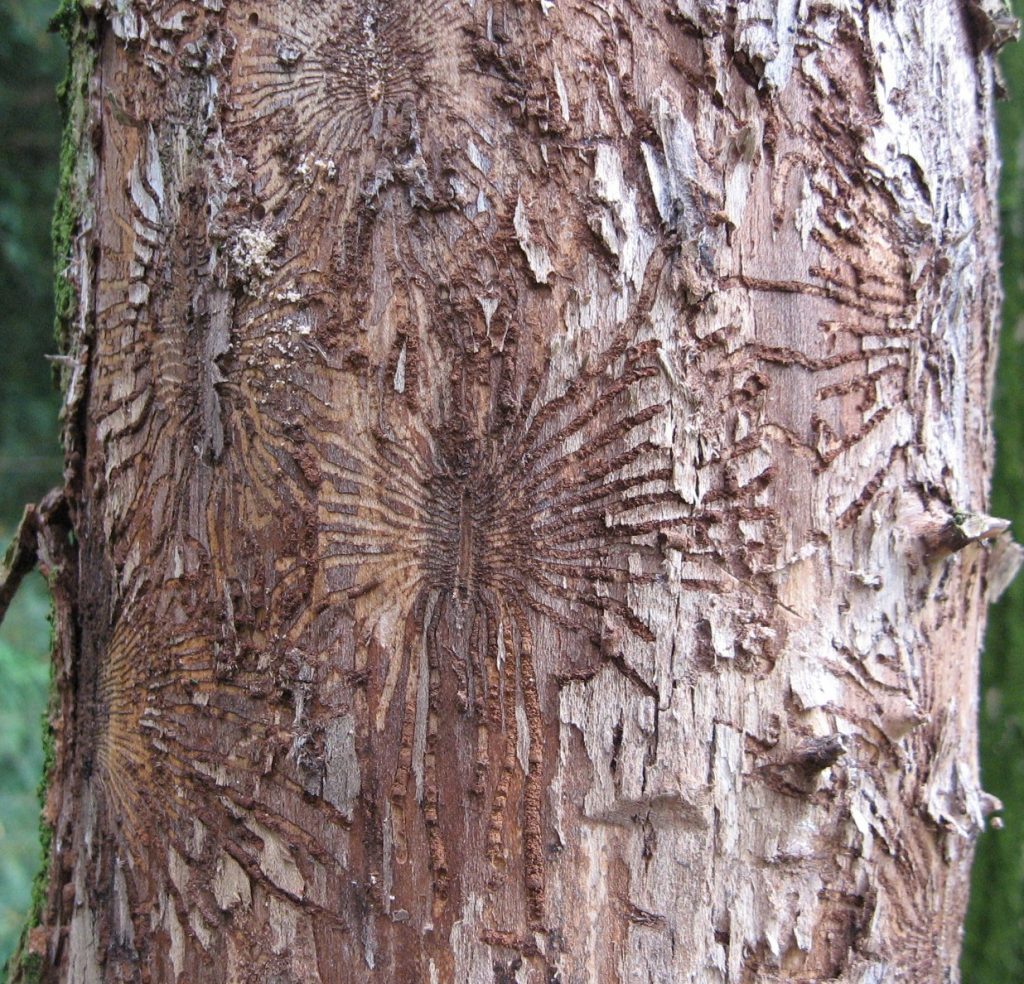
column 526, row 464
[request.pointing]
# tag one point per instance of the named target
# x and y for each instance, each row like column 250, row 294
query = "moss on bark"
column 78, row 26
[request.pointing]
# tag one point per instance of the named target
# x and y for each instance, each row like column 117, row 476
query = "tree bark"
column 527, row 467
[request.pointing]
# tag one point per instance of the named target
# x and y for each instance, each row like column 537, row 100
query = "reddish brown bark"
column 502, row 493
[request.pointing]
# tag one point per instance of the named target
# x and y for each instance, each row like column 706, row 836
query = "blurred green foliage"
column 994, row 940
column 24, row 672
column 31, row 64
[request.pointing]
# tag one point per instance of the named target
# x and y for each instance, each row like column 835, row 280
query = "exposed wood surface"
column 521, row 493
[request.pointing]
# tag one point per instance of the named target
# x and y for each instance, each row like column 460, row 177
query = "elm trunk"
column 527, row 467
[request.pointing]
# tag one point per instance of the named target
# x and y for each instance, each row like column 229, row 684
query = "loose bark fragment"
column 23, row 553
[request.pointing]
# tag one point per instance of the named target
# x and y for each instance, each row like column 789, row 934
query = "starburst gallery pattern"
column 336, row 76
column 453, row 547
column 479, row 534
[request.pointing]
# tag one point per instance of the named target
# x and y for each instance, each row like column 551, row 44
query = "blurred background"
column 32, row 62
column 994, row 937
column 31, row 65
